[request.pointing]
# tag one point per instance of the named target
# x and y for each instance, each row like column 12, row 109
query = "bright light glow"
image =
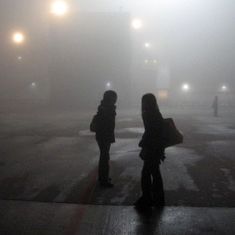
column 19, row 58
column 33, row 84
column 18, row 38
column 154, row 61
column 185, row 87
column 147, row 45
column 108, row 85
column 137, row 23
column 59, row 8
column 224, row 88
column 146, row 61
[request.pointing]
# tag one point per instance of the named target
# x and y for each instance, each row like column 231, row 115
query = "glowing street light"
column 185, row 87
column 33, row 84
column 18, row 38
column 147, row 45
column 146, row 61
column 224, row 88
column 137, row 23
column 59, row 8
column 108, row 85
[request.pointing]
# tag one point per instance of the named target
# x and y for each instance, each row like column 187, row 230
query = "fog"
column 70, row 60
column 63, row 148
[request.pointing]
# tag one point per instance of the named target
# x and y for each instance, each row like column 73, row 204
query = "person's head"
column 110, row 97
column 149, row 103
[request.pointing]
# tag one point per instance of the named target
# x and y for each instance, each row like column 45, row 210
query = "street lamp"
column 59, row 8
column 33, row 84
column 108, row 85
column 137, row 23
column 18, row 38
column 224, row 88
column 146, row 61
column 147, row 45
column 185, row 87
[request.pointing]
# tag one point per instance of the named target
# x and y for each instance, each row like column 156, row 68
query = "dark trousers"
column 151, row 182
column 103, row 169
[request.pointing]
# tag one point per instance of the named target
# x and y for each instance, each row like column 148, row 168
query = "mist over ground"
column 69, row 61
column 57, row 59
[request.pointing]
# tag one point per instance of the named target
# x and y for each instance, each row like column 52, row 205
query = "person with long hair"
column 105, row 134
column 152, row 153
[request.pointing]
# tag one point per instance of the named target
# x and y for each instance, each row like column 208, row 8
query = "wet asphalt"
column 48, row 156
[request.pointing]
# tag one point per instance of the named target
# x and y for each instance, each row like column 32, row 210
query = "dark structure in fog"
column 71, row 60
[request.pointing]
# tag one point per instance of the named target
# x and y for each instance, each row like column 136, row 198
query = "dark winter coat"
column 152, row 139
column 106, row 123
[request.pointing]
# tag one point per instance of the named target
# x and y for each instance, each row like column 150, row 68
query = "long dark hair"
column 149, row 104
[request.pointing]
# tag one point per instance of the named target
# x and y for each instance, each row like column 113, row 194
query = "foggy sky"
column 195, row 39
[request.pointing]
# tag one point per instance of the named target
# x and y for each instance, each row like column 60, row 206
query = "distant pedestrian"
column 152, row 154
column 105, row 125
column 215, row 106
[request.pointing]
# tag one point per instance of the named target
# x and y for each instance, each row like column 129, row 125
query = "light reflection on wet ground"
column 55, row 159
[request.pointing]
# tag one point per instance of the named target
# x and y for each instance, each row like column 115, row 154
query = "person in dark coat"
column 105, row 134
column 152, row 153
column 215, row 106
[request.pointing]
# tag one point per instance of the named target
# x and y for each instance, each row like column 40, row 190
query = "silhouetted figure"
column 105, row 134
column 215, row 106
column 152, row 154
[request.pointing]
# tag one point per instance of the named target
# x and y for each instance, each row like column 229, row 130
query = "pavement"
column 48, row 175
column 33, row 218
